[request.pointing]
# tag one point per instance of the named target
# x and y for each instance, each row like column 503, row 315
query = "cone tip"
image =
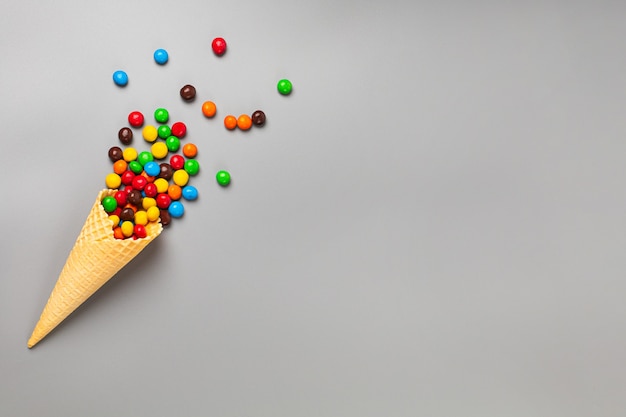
column 32, row 342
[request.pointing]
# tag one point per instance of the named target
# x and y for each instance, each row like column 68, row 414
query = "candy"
column 179, row 129
column 177, row 162
column 176, row 209
column 284, row 87
column 119, row 167
column 174, row 191
column 148, row 202
column 127, row 228
column 152, row 168
column 127, row 214
column 125, row 135
column 135, row 167
column 163, row 201
column 190, row 192
column 117, row 233
column 141, row 217
column 219, row 46
column 129, row 154
column 159, row 150
column 140, row 231
column 244, row 122
column 188, row 92
column 161, row 56
column 150, row 190
column 164, row 131
column 166, row 219
column 223, row 178
column 153, row 213
column 114, row 219
column 230, row 122
column 144, row 157
column 121, row 198
column 135, row 198
column 258, row 118
column 113, row 180
column 208, row 108
column 172, row 143
column 120, row 78
column 190, row 150
column 161, row 115
column 115, row 153
column 127, row 177
column 109, row 204
column 161, row 185
column 150, row 133
column 139, row 182
column 166, row 171
column 191, row 166
column 135, row 119
column 180, row 177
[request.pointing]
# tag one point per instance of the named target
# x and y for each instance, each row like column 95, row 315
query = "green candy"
column 109, row 204
column 172, row 143
column 284, row 87
column 135, row 166
column 144, row 157
column 161, row 115
column 223, row 178
column 192, row 166
column 164, row 131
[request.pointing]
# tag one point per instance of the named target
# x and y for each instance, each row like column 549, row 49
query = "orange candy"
column 175, row 192
column 117, row 233
column 244, row 122
column 190, row 150
column 148, row 177
column 230, row 122
column 208, row 108
column 119, row 167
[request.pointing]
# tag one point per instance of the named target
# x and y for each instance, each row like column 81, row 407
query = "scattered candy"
column 177, row 162
column 150, row 190
column 219, row 46
column 191, row 167
column 113, row 181
column 176, row 209
column 161, row 185
column 174, row 191
column 115, row 153
column 164, row 131
column 144, row 157
column 135, row 119
column 150, row 133
column 109, row 204
column 230, row 122
column 139, row 182
column 258, row 118
column 284, row 87
column 161, row 56
column 119, row 167
column 190, row 150
column 161, row 115
column 120, row 78
column 159, row 150
column 163, row 201
column 135, row 167
column 166, row 219
column 179, row 129
column 223, row 178
column 172, row 143
column 180, row 177
column 166, row 171
column 188, row 92
column 208, row 108
column 125, row 135
column 244, row 122
column 152, row 168
column 190, row 192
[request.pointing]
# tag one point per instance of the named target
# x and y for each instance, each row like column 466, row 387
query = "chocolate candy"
column 188, row 92
column 166, row 171
column 166, row 219
column 125, row 135
column 135, row 197
column 127, row 214
column 258, row 118
column 115, row 153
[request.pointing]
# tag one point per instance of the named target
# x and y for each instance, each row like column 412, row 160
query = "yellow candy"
column 141, row 217
column 129, row 154
column 148, row 202
column 180, row 177
column 161, row 185
column 115, row 219
column 159, row 150
column 153, row 213
column 150, row 133
column 127, row 228
column 113, row 181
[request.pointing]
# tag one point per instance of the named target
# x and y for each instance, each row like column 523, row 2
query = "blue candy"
column 152, row 168
column 176, row 209
column 120, row 78
column 161, row 56
column 190, row 192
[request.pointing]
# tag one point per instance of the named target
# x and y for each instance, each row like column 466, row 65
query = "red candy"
column 135, row 119
column 219, row 46
column 177, row 162
column 127, row 177
column 140, row 231
column 139, row 182
column 116, row 212
column 120, row 197
column 150, row 190
column 163, row 201
column 179, row 129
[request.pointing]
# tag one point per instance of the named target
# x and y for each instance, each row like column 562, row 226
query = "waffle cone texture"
column 95, row 258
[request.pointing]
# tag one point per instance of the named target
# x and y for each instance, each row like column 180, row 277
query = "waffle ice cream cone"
column 95, row 258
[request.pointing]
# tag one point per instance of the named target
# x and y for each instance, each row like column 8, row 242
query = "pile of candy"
column 152, row 190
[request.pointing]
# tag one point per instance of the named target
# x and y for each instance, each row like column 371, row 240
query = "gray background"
column 432, row 224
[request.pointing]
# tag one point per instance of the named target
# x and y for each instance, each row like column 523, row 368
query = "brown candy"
column 135, row 198
column 166, row 218
column 127, row 214
column 188, row 92
column 166, row 171
column 125, row 135
column 115, row 154
column 258, row 118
